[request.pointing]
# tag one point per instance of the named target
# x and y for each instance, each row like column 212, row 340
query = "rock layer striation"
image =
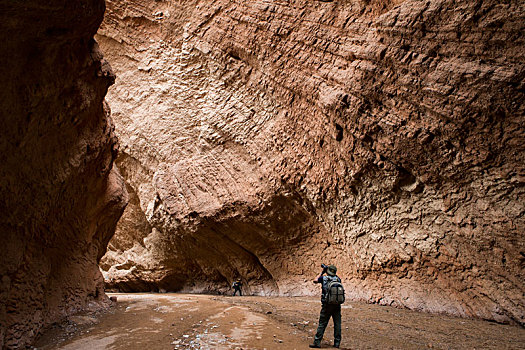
column 60, row 196
column 262, row 138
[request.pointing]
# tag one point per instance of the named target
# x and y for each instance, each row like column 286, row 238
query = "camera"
column 324, row 266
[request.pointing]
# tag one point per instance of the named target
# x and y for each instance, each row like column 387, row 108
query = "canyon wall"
column 60, row 196
column 261, row 138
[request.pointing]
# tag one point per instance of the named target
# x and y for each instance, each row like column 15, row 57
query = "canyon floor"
column 184, row 321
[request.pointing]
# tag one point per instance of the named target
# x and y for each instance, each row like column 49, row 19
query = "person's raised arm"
column 316, row 280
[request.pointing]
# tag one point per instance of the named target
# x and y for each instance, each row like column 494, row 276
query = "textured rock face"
column 60, row 197
column 261, row 138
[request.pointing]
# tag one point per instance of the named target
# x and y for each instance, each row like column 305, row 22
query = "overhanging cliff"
column 261, row 138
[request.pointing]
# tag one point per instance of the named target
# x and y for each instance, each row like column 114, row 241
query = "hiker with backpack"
column 333, row 295
column 237, row 285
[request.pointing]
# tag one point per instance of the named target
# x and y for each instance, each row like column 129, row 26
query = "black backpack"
column 335, row 292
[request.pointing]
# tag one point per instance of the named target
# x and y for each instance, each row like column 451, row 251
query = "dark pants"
column 327, row 311
column 235, row 290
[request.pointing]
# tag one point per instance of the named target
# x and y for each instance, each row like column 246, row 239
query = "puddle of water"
column 90, row 342
column 157, row 320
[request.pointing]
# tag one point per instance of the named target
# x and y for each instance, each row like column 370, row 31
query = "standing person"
column 331, row 304
column 237, row 285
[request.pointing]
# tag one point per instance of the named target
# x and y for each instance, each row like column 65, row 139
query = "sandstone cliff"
column 261, row 138
column 60, row 196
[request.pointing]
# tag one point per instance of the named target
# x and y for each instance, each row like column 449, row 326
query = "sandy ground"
column 182, row 321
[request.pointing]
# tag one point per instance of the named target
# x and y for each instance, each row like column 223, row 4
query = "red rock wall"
column 262, row 138
column 60, row 196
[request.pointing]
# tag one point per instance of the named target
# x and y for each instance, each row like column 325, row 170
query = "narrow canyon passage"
column 183, row 321
column 181, row 145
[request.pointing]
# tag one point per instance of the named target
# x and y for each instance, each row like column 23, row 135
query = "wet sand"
column 182, row 321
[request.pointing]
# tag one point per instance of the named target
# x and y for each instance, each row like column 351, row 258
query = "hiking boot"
column 315, row 346
column 336, row 345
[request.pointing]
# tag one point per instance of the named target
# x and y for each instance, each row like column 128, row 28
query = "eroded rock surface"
column 261, row 138
column 60, row 196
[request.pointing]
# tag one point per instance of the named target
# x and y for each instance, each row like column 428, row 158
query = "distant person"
column 237, row 285
column 332, row 297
